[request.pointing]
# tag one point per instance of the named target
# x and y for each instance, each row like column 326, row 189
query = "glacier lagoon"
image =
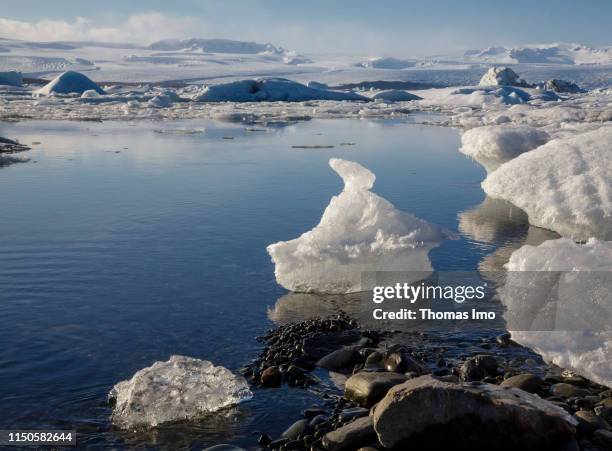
column 124, row 243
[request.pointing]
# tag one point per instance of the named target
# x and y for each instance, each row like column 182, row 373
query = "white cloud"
column 137, row 28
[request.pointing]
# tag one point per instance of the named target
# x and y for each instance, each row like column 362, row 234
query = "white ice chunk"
column 558, row 297
column 395, row 95
column 160, row 101
column 68, row 83
column 181, row 388
column 493, row 145
column 269, row 90
column 90, row 94
column 564, row 185
column 359, row 231
column 387, row 63
column 500, row 76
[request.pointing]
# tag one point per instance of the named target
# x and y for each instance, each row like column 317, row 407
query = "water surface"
column 124, row 243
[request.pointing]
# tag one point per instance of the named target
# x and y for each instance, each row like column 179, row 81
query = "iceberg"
column 495, row 144
column 387, row 63
column 181, row 388
column 269, row 90
column 563, row 185
column 558, row 297
column 11, row 78
column 69, row 82
column 501, row 76
column 358, row 232
column 395, row 95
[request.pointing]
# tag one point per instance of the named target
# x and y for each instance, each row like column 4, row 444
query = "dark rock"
column 339, row 359
column 588, row 422
column 478, row 367
column 351, row 435
column 312, row 412
column 568, row 390
column 366, row 389
column 264, row 440
column 602, row 438
column 353, row 413
column 296, row 429
column 528, row 382
column 318, row 347
column 400, row 362
column 224, row 447
column 271, row 377
column 428, row 412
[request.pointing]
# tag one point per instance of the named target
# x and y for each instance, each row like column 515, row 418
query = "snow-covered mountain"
column 557, row 53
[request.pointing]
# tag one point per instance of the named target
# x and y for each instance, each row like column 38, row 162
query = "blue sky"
column 357, row 26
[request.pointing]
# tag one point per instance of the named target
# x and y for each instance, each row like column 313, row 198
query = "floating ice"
column 500, row 76
column 182, row 388
column 68, row 83
column 90, row 94
column 563, row 185
column 269, row 90
column 359, row 231
column 495, row 144
column 558, row 297
column 395, row 95
column 557, row 85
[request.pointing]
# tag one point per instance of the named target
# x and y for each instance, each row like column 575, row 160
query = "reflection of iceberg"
column 182, row 388
column 493, row 220
column 559, row 302
column 358, row 232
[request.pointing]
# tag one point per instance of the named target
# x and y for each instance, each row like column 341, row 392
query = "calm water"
column 121, row 245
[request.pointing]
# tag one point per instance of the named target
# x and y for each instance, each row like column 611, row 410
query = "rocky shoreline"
column 418, row 390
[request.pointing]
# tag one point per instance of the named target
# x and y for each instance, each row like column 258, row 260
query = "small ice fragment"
column 358, row 232
column 181, row 388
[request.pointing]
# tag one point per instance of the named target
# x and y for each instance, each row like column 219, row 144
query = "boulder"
column 478, row 367
column 366, row 388
column 426, row 413
column 271, row 377
column 588, row 422
column 528, row 382
column 341, row 358
column 568, row 390
column 557, row 85
column 351, row 435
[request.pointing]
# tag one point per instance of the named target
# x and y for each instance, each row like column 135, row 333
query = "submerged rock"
column 181, row 388
column 417, row 411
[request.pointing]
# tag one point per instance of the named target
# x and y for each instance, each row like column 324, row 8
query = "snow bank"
column 182, row 388
column 395, row 95
column 563, row 185
column 269, row 90
column 359, row 231
column 500, row 76
column 68, row 83
column 495, row 144
column 559, row 302
column 11, row 78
